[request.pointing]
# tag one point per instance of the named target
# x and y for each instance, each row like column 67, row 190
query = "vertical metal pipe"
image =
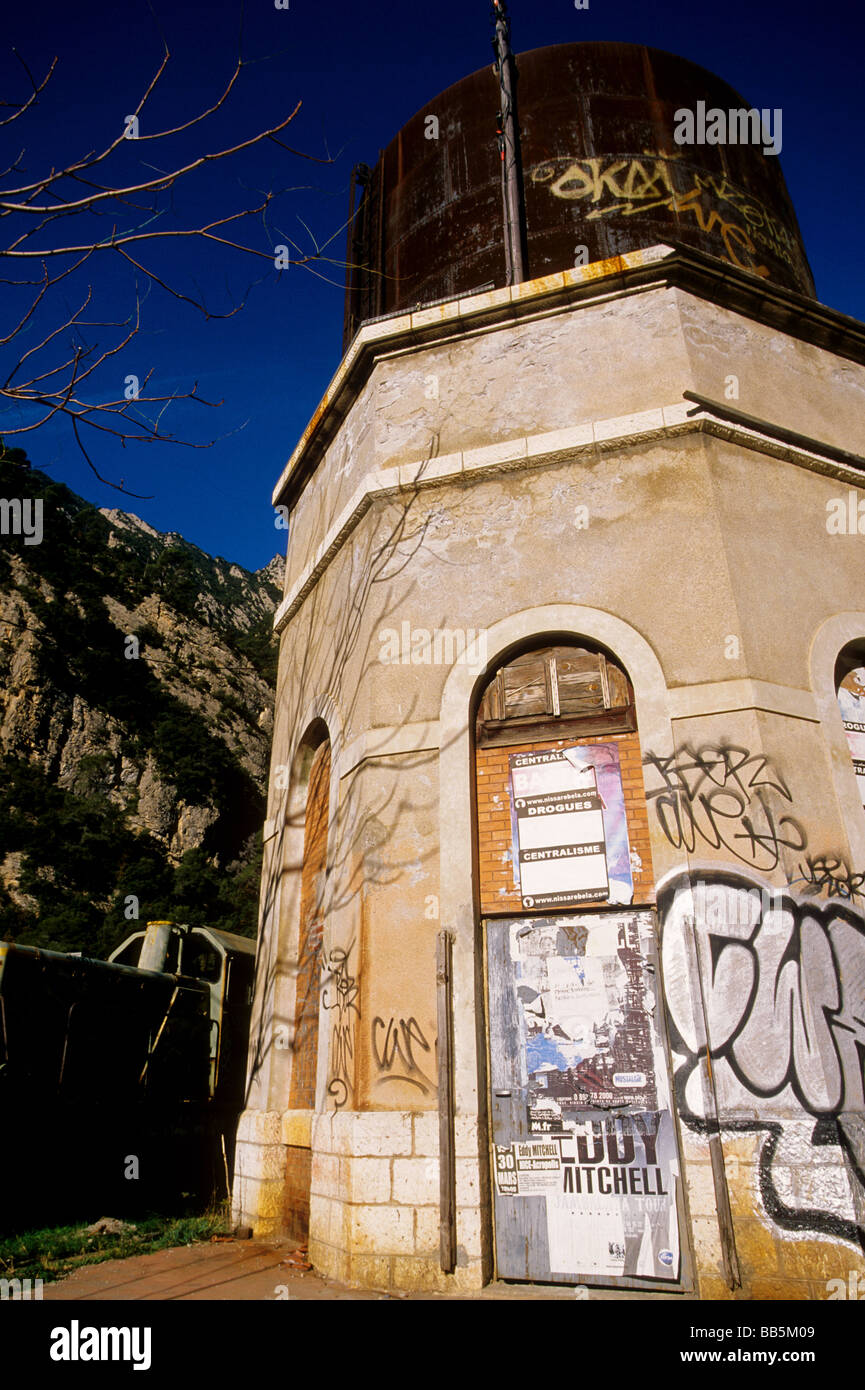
column 512, row 186
column 447, row 1145
column 729, row 1254
column 154, row 947
column 357, row 252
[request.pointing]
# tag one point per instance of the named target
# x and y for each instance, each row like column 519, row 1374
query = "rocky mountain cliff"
column 137, row 678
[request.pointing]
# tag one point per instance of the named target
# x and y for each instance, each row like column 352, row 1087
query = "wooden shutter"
column 555, row 690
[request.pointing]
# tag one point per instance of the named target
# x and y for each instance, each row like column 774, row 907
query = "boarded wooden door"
column 585, row 1159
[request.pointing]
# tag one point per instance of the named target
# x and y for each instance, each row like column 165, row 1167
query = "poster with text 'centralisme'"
column 570, row 835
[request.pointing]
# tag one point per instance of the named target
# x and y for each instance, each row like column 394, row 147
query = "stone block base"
column 373, row 1195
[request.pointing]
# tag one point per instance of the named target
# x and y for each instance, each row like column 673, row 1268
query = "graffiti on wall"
column 630, row 186
column 780, row 989
column 770, row 981
column 721, row 797
column 339, row 992
column 832, row 875
column 396, row 1046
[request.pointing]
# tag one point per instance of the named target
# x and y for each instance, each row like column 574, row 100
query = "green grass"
column 53, row 1253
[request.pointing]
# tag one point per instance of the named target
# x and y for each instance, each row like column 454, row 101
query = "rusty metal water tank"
column 601, row 169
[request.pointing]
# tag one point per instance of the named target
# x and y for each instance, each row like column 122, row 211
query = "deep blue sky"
column 361, row 71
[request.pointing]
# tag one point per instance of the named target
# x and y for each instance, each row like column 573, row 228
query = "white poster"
column 569, row 826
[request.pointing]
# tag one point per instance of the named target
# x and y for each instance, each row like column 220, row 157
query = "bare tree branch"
column 153, row 185
column 21, row 107
column 55, row 368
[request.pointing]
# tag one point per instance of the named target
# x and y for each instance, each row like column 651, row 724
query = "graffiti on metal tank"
column 339, row 991
column 393, row 1048
column 721, row 797
column 777, row 1003
column 633, row 185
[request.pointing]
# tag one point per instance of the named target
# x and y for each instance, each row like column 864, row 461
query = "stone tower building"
column 570, row 715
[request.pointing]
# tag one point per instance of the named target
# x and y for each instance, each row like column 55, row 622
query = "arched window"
column 559, row 720
column 555, row 692
column 305, row 1048
column 850, row 686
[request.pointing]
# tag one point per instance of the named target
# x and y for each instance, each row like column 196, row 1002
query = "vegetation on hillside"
column 83, row 864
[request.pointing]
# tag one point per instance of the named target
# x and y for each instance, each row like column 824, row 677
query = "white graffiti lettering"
column 773, row 988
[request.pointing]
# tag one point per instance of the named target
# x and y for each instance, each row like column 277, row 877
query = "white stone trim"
column 532, row 451
column 460, row 315
column 728, row 697
column 338, row 532
column 389, row 741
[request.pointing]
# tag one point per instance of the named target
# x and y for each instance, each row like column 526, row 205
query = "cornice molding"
column 534, row 451
column 660, row 266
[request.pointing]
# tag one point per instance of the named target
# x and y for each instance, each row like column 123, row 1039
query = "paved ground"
column 231, row 1270
column 224, row 1269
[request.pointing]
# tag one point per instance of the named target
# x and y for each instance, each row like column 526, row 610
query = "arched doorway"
column 586, row 1167
column 850, row 690
column 314, row 770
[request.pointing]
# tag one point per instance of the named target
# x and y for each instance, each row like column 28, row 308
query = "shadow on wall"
column 324, row 641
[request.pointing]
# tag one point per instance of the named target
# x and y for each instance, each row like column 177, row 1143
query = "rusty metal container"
column 601, row 170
